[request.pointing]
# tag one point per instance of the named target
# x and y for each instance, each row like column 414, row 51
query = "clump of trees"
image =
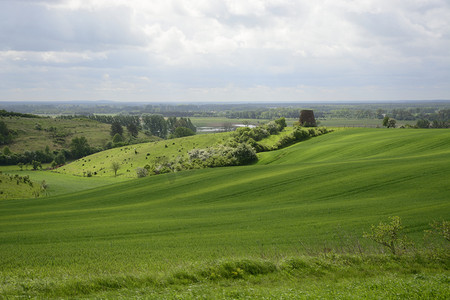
column 158, row 126
column 389, row 122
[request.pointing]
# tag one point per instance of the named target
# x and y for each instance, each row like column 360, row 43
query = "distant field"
column 351, row 122
column 203, row 233
column 216, row 121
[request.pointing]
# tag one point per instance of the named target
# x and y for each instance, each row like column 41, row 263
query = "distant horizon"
column 216, row 102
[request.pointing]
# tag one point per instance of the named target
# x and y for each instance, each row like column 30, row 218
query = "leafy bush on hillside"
column 299, row 134
column 390, row 235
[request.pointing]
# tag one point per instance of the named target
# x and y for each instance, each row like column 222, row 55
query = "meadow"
column 138, row 155
column 38, row 133
column 289, row 226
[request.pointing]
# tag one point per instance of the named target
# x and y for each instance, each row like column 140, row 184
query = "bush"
column 141, row 172
column 389, row 235
column 244, row 154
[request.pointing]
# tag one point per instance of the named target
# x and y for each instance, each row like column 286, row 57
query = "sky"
column 229, row 50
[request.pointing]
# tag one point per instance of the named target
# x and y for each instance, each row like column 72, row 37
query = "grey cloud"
column 34, row 27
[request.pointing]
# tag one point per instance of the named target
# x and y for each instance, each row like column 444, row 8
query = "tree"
column 117, row 138
column 36, row 164
column 227, row 126
column 423, row 123
column 385, row 121
column 183, row 131
column 156, row 124
column 80, row 147
column 389, row 235
column 6, row 151
column 116, row 128
column 392, row 123
column 133, row 130
column 60, row 159
column 115, row 166
column 5, row 134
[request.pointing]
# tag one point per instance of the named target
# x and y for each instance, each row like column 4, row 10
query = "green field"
column 57, row 133
column 242, row 232
column 138, row 155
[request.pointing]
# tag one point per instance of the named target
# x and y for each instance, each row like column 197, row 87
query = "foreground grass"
column 164, row 236
column 328, row 276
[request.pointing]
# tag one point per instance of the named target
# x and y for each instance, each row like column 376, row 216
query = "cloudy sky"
column 229, row 50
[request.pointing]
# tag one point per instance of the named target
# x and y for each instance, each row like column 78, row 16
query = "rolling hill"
column 319, row 194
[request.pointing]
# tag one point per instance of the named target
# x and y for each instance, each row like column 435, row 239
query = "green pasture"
column 16, row 187
column 239, row 232
column 370, row 123
column 31, row 139
column 138, row 155
column 58, row 184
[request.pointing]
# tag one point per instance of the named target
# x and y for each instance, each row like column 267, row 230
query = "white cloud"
column 261, row 47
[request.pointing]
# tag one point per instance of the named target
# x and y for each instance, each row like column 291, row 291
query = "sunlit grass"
column 165, row 235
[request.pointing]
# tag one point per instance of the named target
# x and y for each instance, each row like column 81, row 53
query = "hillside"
column 16, row 186
column 138, row 155
column 150, row 233
column 37, row 133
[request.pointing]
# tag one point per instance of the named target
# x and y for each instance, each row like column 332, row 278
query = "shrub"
column 389, row 235
column 440, row 229
column 141, row 172
column 245, row 154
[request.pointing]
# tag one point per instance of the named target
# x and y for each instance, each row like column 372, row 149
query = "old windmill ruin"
column 307, row 118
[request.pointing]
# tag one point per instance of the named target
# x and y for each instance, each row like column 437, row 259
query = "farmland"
column 289, row 225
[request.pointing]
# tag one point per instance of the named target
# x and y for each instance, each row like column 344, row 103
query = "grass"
column 138, row 155
column 343, row 122
column 163, row 236
column 31, row 139
column 12, row 187
column 58, row 184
